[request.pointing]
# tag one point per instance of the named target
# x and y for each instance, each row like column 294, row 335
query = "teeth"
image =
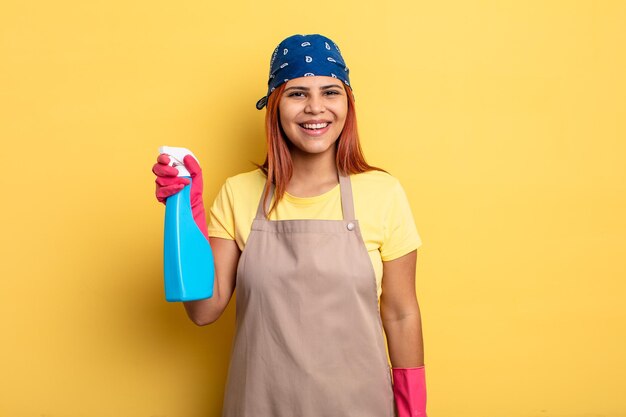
column 314, row 126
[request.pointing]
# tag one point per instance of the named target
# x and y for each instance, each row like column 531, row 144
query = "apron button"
column 350, row 226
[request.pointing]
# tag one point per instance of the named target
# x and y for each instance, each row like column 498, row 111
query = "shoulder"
column 377, row 182
column 246, row 182
column 377, row 193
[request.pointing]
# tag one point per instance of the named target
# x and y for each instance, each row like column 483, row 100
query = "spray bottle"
column 188, row 264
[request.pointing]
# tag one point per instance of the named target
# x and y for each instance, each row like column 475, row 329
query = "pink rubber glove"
column 169, row 183
column 409, row 391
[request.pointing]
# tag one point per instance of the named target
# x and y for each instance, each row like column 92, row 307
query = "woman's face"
column 313, row 112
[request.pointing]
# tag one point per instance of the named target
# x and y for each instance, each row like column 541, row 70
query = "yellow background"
column 504, row 121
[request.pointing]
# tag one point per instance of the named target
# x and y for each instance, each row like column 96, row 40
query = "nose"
column 315, row 104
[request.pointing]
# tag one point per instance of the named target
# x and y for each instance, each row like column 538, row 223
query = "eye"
column 295, row 93
column 333, row 92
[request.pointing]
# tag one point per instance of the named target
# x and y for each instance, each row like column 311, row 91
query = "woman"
column 308, row 257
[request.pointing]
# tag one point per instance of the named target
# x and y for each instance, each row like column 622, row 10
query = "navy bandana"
column 305, row 56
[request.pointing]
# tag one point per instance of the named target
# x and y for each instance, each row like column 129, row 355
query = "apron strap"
column 259, row 211
column 347, row 202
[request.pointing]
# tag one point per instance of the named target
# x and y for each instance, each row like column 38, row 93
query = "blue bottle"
column 188, row 265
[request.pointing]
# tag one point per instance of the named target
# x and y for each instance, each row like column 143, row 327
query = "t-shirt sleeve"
column 400, row 234
column 221, row 215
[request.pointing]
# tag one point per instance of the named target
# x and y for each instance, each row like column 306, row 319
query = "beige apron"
column 309, row 339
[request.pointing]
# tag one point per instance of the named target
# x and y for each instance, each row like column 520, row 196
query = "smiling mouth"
column 313, row 127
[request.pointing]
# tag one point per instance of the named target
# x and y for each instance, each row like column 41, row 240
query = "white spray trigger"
column 177, row 155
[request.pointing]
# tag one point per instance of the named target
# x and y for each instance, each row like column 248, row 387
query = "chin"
column 307, row 148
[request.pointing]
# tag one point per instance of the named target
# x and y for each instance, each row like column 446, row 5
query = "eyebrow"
column 307, row 89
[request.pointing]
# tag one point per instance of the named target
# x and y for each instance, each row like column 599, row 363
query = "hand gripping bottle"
column 187, row 257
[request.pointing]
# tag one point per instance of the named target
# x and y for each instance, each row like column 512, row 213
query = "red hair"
column 278, row 166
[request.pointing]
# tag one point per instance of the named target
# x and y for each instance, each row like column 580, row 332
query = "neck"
column 313, row 174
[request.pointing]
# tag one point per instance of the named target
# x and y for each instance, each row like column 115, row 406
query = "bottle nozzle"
column 177, row 155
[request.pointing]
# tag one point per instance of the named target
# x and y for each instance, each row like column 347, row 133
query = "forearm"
column 206, row 311
column 226, row 256
column 404, row 340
